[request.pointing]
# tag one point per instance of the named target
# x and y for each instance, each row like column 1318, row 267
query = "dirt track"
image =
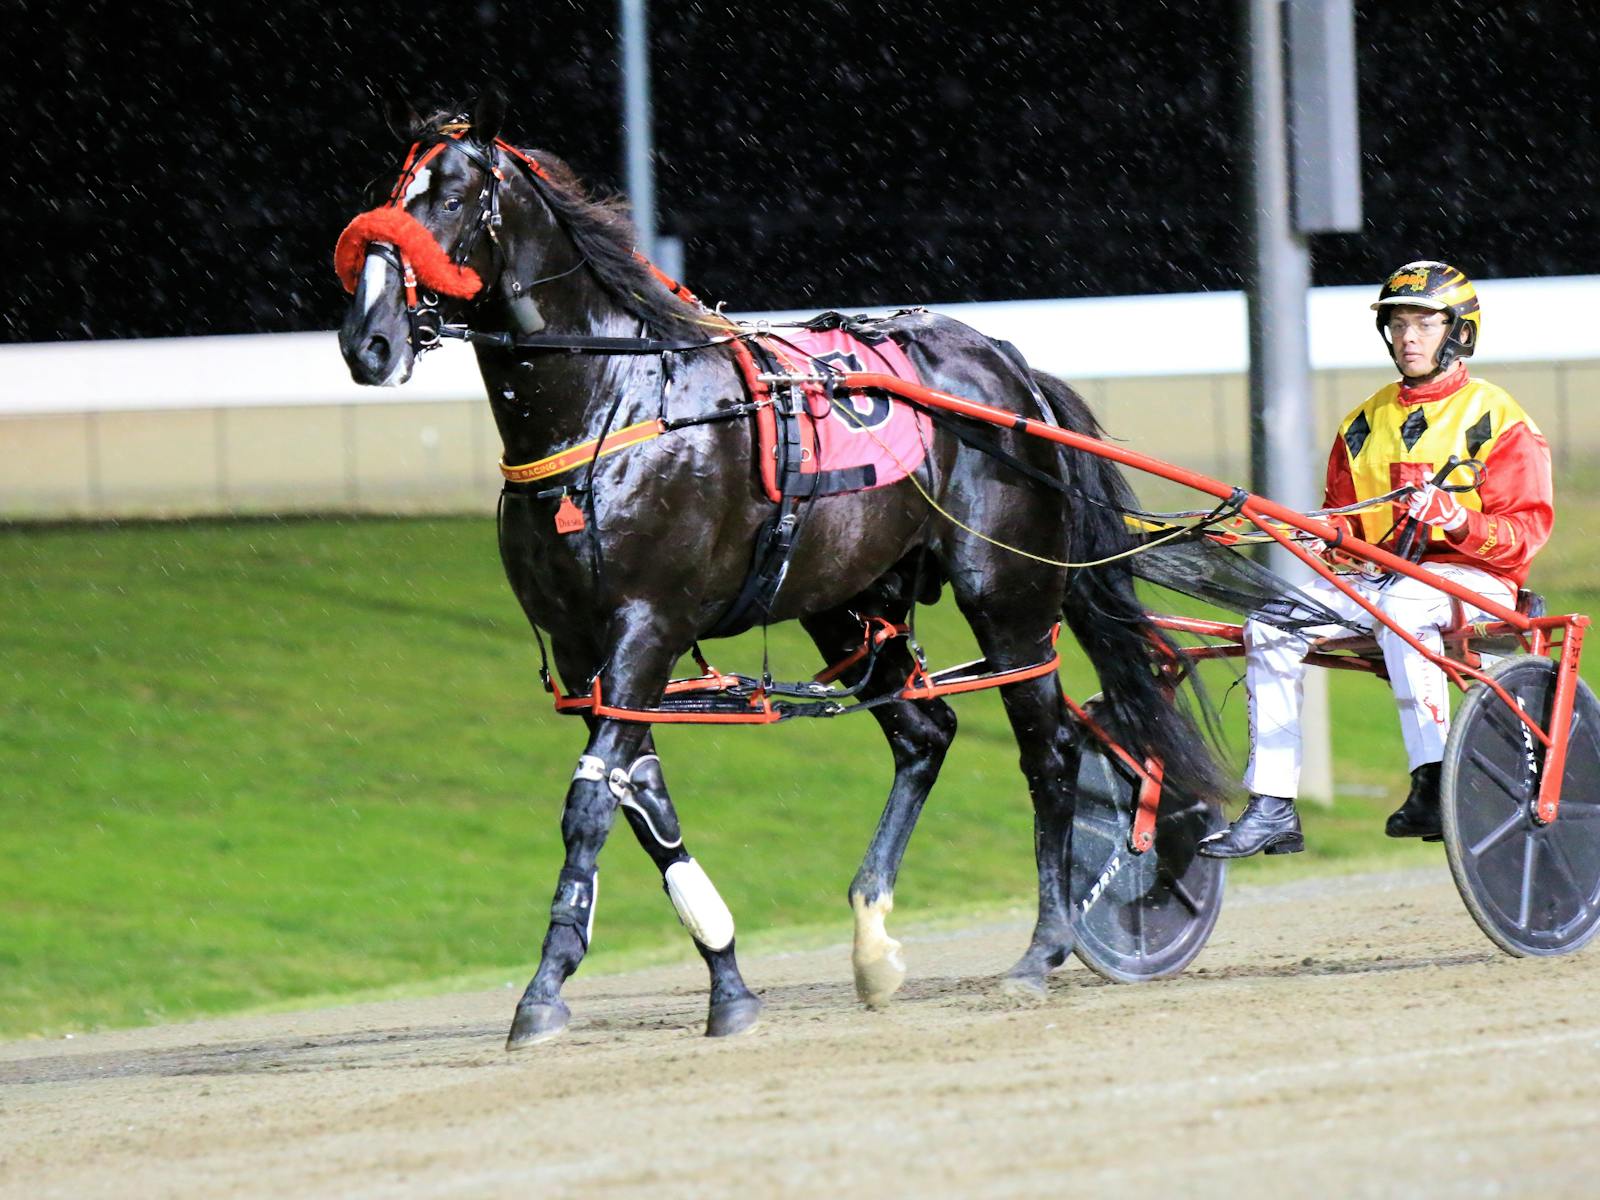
column 1346, row 1037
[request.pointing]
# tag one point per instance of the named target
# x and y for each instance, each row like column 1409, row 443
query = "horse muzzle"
column 376, row 337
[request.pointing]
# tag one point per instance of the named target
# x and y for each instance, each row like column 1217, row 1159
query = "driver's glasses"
column 1424, row 326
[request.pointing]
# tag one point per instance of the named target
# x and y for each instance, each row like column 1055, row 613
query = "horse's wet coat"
column 669, row 534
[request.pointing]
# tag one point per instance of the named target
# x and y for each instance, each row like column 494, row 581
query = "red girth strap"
column 766, row 423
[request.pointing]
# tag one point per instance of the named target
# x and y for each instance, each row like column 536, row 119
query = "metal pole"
column 638, row 136
column 1283, row 428
column 1283, row 439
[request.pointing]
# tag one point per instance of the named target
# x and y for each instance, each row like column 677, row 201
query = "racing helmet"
column 1439, row 286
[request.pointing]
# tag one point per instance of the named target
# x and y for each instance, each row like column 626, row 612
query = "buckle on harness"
column 427, row 328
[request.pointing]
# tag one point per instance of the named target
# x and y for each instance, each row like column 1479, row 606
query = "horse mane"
column 603, row 232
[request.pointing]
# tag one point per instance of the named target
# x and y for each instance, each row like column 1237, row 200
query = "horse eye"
column 452, row 204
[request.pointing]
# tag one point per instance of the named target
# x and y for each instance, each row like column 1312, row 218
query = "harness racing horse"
column 512, row 241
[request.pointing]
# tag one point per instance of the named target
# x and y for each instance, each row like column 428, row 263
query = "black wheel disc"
column 1139, row 916
column 1534, row 889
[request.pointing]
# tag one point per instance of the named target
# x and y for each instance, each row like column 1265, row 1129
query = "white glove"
column 1437, row 508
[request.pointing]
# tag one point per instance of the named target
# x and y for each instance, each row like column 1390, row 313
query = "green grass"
column 257, row 762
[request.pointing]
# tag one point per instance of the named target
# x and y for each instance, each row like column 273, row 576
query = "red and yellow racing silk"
column 1403, row 435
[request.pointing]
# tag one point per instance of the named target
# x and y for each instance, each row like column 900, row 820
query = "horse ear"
column 488, row 116
column 400, row 114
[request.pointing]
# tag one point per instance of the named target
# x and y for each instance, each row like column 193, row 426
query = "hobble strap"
column 592, row 769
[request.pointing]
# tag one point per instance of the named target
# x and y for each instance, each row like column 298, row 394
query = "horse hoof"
column 879, row 979
column 1024, row 989
column 733, row 1017
column 537, row 1022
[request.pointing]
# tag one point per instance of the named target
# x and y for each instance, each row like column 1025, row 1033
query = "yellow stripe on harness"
column 577, row 456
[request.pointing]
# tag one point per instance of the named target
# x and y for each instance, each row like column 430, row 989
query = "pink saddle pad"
column 867, row 428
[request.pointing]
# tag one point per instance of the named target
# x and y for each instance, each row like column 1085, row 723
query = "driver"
column 1483, row 539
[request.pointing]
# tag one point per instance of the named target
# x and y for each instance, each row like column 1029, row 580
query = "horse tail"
column 1101, row 609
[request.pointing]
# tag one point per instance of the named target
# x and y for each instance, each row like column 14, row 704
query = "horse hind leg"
column 1010, row 634
column 1050, row 765
column 650, row 812
column 919, row 733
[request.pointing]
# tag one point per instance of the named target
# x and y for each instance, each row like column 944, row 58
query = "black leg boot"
column 1268, row 823
column 1419, row 815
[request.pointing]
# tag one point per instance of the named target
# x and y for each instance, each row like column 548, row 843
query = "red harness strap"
column 760, row 710
column 878, row 631
column 526, row 159
column 766, row 423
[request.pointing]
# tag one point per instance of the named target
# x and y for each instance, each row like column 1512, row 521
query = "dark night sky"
column 185, row 168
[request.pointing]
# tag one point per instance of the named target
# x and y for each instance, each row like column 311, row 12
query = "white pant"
column 1275, row 667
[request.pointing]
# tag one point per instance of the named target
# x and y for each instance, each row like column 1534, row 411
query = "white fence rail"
column 272, row 422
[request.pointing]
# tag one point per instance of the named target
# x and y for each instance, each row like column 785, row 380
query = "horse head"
column 438, row 246
column 474, row 225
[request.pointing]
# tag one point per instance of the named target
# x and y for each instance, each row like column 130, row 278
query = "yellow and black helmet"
column 1439, row 286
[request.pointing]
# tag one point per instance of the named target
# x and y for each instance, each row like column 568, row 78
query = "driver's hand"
column 1436, row 507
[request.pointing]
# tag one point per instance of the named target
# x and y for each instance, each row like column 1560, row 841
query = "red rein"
column 416, row 245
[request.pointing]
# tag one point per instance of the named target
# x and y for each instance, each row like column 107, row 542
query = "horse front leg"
column 591, row 803
column 649, row 810
column 635, row 678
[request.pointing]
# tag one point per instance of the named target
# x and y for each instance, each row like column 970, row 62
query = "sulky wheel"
column 1139, row 916
column 1534, row 889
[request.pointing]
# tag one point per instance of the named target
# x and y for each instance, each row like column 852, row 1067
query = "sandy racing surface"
column 1355, row 1036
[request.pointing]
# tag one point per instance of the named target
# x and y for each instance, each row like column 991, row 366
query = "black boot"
column 1268, row 823
column 1419, row 815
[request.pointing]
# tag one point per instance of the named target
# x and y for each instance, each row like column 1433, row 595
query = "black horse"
column 672, row 522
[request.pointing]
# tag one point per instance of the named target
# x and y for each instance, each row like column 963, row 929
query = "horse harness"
column 773, row 396
column 775, row 399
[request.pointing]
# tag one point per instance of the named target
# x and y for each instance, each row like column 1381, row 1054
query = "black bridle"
column 428, row 328
column 422, row 309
